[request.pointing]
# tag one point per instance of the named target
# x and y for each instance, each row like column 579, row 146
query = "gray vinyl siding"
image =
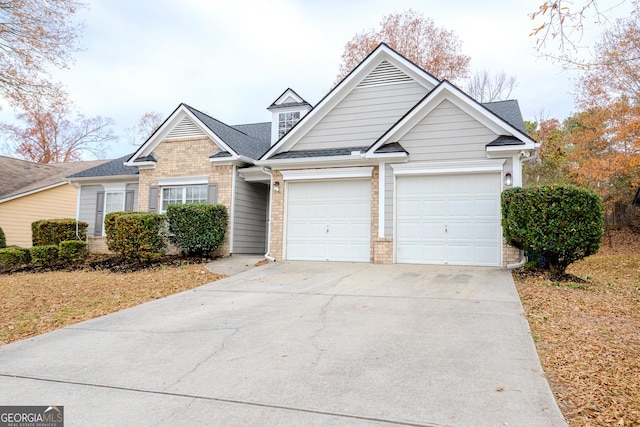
column 447, row 133
column 250, row 222
column 364, row 115
column 134, row 188
column 388, row 202
column 88, row 196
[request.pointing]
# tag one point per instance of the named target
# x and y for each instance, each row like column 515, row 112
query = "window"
column 114, row 202
column 286, row 121
column 187, row 194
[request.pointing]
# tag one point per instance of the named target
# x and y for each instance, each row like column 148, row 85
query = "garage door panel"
column 329, row 220
column 448, row 219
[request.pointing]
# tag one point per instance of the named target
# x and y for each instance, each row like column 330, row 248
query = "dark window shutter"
column 97, row 230
column 128, row 200
column 153, row 198
column 213, row 193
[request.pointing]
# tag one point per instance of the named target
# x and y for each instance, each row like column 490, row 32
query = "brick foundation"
column 383, row 251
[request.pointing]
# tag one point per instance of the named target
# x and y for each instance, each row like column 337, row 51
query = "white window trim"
column 181, row 181
column 328, row 173
column 184, row 193
column 440, row 168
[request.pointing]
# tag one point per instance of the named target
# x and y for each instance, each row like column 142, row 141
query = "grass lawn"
column 588, row 334
column 35, row 303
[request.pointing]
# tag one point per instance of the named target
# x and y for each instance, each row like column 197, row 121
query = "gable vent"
column 186, row 129
column 384, row 74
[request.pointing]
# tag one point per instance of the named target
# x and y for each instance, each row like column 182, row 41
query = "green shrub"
column 136, row 236
column 45, row 255
column 53, row 231
column 197, row 228
column 74, row 251
column 563, row 224
column 11, row 258
column 3, row 239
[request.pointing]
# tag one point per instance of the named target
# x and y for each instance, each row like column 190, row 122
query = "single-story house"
column 32, row 191
column 391, row 166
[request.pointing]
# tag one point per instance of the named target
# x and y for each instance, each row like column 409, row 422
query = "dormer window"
column 286, row 121
column 286, row 111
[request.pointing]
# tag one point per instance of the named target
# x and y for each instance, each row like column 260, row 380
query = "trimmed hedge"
column 563, row 224
column 11, row 258
column 53, row 231
column 45, row 255
column 3, row 239
column 136, row 236
column 197, row 228
column 74, row 251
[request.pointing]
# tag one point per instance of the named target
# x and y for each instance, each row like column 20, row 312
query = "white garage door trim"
column 328, row 220
column 447, row 234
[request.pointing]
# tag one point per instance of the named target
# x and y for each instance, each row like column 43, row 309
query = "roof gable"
column 447, row 91
column 288, row 98
column 245, row 141
column 384, row 66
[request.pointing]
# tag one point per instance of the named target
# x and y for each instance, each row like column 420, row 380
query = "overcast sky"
column 232, row 58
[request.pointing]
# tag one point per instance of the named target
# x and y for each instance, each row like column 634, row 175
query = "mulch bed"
column 586, row 327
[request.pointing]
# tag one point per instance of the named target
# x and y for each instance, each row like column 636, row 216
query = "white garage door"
column 448, row 219
column 329, row 220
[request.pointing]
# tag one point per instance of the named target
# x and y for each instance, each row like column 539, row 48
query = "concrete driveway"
column 298, row 343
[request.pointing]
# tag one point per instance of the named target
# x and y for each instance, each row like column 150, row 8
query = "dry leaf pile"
column 588, row 334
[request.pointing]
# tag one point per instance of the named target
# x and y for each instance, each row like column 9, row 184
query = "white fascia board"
column 328, row 173
column 183, row 180
column 37, row 190
column 389, row 156
column 441, row 168
column 167, row 127
column 254, row 174
column 329, row 102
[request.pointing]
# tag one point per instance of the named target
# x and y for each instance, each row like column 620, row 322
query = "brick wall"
column 510, row 255
column 374, row 210
column 277, row 218
column 382, row 251
column 188, row 157
column 98, row 245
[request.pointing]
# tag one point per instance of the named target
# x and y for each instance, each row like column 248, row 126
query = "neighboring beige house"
column 33, row 191
column 391, row 166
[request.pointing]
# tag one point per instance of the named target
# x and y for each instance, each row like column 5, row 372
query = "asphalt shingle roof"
column 21, row 176
column 318, row 153
column 509, row 111
column 239, row 138
column 114, row 167
column 504, row 140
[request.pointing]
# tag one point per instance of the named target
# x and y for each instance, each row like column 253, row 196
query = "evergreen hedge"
column 11, row 258
column 3, row 239
column 136, row 236
column 53, row 231
column 197, row 229
column 563, row 223
column 45, row 255
column 74, row 251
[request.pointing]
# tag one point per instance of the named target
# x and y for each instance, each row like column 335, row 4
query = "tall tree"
column 147, row 125
column 560, row 24
column 35, row 35
column 484, row 87
column 552, row 164
column 606, row 133
column 433, row 48
column 52, row 132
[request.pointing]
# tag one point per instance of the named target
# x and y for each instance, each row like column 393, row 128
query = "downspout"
column 266, row 255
